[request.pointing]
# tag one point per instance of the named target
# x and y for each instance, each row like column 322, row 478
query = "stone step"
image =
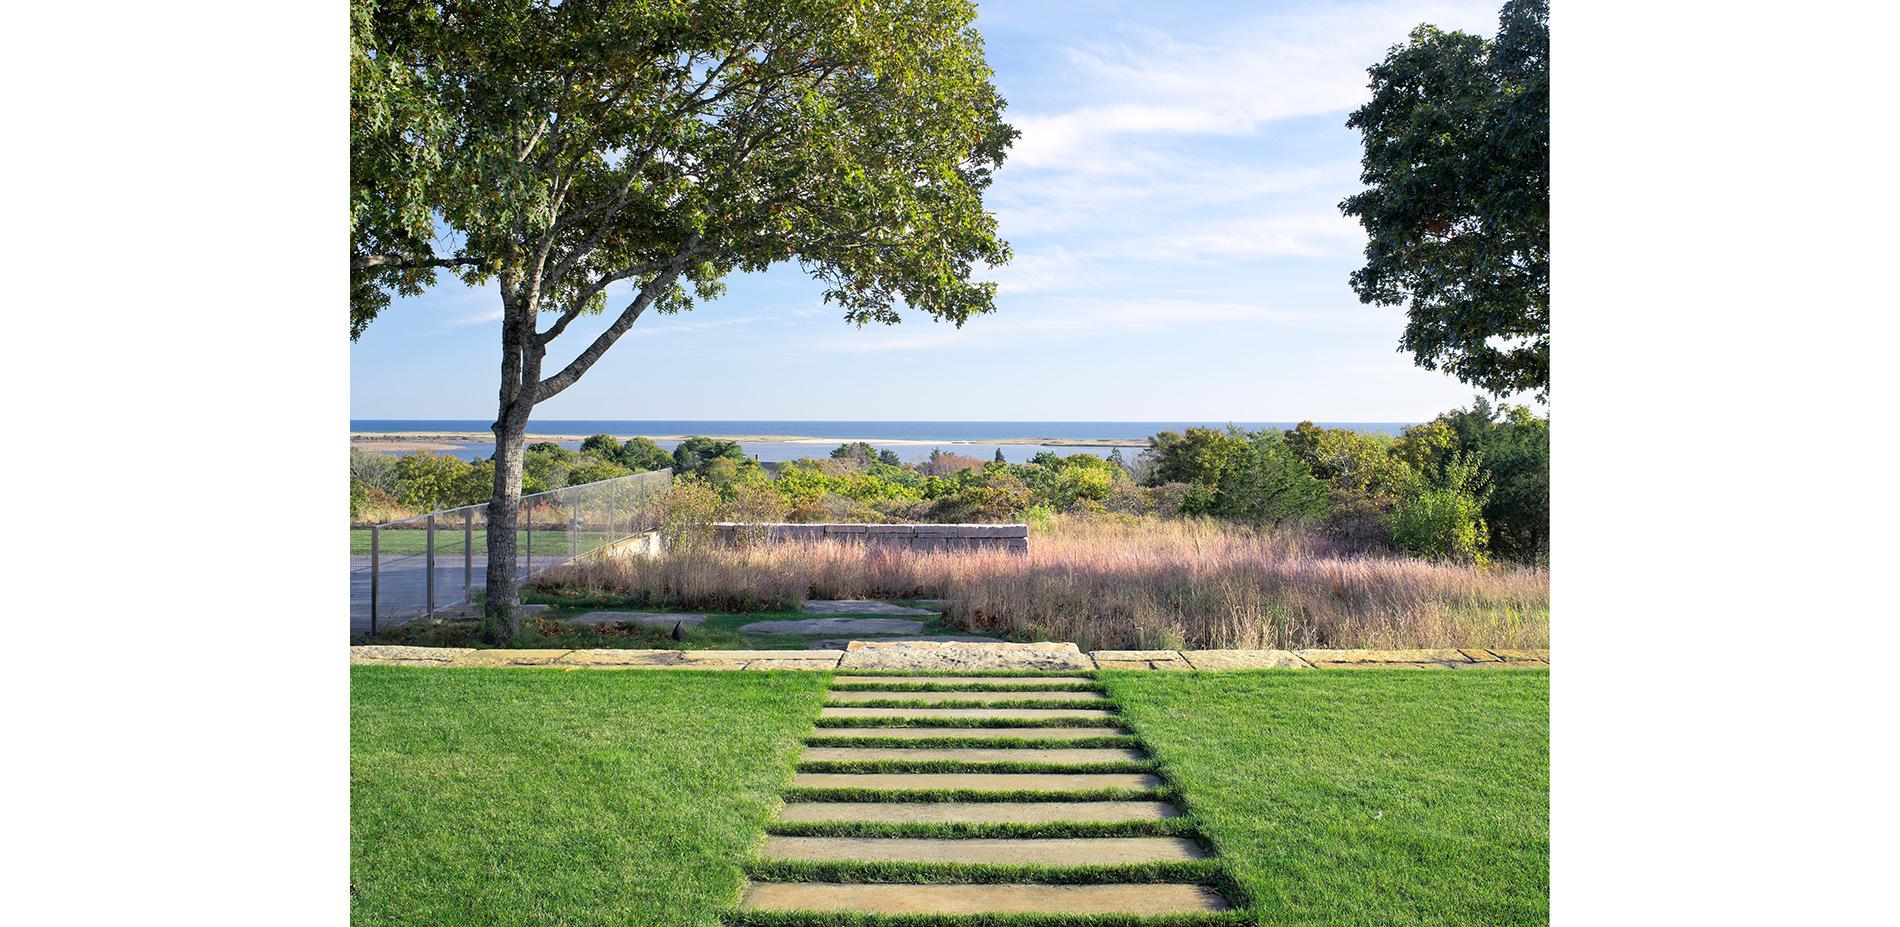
column 936, row 697
column 973, row 682
column 1060, row 851
column 972, row 733
column 1023, row 713
column 987, row 782
column 971, row 754
column 979, row 812
column 983, row 899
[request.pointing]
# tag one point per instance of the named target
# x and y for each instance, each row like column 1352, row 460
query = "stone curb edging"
column 952, row 655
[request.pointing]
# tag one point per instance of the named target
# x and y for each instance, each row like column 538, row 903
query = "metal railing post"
column 429, row 545
column 375, row 536
column 530, row 568
column 468, row 555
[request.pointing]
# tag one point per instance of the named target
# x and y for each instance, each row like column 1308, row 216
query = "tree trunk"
column 520, row 375
column 502, row 621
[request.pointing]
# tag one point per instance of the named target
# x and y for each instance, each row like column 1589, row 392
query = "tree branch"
column 553, row 385
column 399, row 262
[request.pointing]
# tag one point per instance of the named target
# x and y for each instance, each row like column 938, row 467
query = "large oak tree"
column 568, row 148
column 1457, row 158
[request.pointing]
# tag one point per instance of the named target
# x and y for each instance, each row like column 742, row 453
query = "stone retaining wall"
column 910, row 537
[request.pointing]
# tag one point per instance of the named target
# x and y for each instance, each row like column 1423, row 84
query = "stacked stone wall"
column 909, row 537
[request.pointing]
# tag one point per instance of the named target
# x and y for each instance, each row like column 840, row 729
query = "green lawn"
column 1363, row 797
column 536, row 797
column 399, row 542
column 1373, row 797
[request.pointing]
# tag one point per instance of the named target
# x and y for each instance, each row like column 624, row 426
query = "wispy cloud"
column 1064, row 319
column 1141, row 81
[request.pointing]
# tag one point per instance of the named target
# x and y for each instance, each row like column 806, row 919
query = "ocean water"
column 910, row 441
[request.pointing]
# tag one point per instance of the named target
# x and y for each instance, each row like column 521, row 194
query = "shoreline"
column 455, row 440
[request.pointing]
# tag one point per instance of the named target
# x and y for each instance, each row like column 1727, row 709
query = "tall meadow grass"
column 1122, row 583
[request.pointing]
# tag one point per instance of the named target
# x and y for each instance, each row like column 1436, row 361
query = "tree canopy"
column 565, row 148
column 1457, row 159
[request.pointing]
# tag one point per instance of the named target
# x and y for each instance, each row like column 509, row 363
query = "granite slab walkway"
column 854, row 810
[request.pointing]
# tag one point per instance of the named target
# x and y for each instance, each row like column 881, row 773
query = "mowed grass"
column 1362, row 797
column 514, row 797
column 449, row 539
column 1341, row 797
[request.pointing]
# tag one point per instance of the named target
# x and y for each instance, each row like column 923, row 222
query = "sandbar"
column 454, row 440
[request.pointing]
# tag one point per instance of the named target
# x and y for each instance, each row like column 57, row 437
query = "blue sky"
column 1172, row 205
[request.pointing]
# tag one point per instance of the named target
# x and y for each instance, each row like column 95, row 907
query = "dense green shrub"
column 1267, row 484
column 1199, row 455
column 1513, row 446
column 641, row 455
column 696, row 453
column 635, row 455
column 1440, row 523
column 1444, row 516
column 429, row 481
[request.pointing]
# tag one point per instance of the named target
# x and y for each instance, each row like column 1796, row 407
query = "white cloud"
column 1067, row 318
column 1146, row 82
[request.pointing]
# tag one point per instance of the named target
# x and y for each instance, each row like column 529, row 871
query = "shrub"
column 1514, row 446
column 376, row 471
column 687, row 511
column 428, row 480
column 1267, row 485
column 1199, row 455
column 1444, row 517
column 752, row 503
column 1442, row 523
column 942, row 463
column 642, row 455
column 696, row 453
column 594, row 471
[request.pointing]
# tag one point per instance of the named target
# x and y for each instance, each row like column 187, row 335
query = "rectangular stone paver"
column 1013, row 713
column 621, row 658
column 932, row 697
column 952, row 656
column 984, row 782
column 1084, row 851
column 973, row 682
column 1325, row 658
column 1523, row 656
column 970, row 755
column 510, row 658
column 1243, row 659
column 972, row 733
column 408, row 656
column 886, row 898
column 820, row 664
column 1139, row 660
column 747, row 656
column 980, row 812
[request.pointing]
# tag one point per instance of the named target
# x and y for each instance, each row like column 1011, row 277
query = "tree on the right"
column 1457, row 214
